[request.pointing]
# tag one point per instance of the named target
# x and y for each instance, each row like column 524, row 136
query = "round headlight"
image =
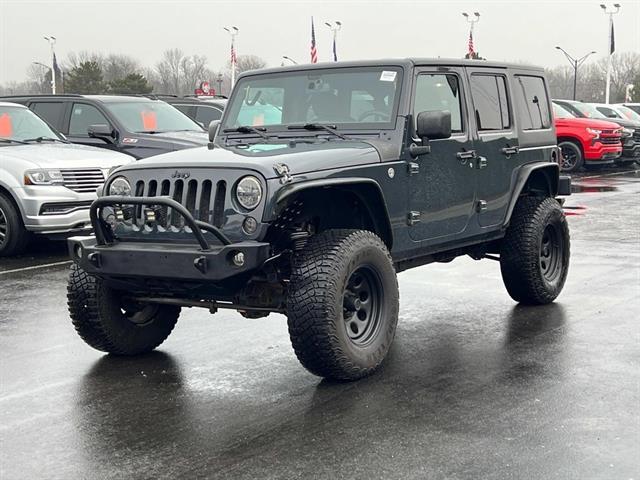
column 249, row 192
column 120, row 187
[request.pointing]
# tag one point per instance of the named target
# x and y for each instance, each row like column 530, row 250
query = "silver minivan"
column 46, row 183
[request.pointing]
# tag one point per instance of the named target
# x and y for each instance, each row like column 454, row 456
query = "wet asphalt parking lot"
column 475, row 386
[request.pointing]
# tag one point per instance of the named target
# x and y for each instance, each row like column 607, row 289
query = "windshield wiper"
column 318, row 126
column 248, row 129
column 11, row 140
column 43, row 139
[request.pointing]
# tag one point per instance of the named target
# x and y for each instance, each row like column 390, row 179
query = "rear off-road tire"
column 534, row 255
column 342, row 304
column 106, row 322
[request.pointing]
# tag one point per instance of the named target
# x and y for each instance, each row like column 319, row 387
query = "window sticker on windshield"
column 6, row 129
column 258, row 120
column 149, row 120
column 387, row 76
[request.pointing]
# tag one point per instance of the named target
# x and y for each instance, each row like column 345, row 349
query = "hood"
column 179, row 139
column 586, row 123
column 299, row 157
column 64, row 155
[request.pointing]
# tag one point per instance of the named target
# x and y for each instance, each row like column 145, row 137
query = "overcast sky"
column 519, row 30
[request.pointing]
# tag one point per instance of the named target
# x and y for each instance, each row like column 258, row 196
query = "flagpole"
column 233, row 32
column 472, row 20
column 611, row 47
column 334, row 27
column 52, row 42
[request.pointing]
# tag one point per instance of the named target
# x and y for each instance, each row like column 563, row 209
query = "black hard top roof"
column 400, row 62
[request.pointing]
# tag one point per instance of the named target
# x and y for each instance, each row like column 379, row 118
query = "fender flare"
column 358, row 186
column 551, row 173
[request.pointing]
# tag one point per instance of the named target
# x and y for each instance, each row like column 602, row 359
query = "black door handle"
column 466, row 155
column 510, row 150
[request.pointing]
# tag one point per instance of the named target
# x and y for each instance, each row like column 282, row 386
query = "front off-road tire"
column 342, row 304
column 534, row 256
column 107, row 323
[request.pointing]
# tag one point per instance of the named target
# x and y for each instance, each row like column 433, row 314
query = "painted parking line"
column 35, row 267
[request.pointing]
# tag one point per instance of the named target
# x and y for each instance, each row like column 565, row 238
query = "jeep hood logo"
column 178, row 174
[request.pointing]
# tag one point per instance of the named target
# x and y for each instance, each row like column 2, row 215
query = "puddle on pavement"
column 592, row 187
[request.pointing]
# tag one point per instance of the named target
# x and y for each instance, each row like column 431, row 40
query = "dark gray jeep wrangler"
column 320, row 183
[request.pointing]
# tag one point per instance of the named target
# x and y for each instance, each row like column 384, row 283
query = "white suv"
column 46, row 183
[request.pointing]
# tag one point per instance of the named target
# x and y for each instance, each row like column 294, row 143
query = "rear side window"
column 51, row 111
column 205, row 115
column 532, row 103
column 436, row 92
column 83, row 116
column 490, row 102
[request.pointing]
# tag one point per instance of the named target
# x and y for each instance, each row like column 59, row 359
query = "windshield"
column 152, row 117
column 20, row 124
column 587, row 110
column 561, row 112
column 354, row 98
column 628, row 113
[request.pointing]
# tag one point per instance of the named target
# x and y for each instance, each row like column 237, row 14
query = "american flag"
column 314, row 50
column 471, row 49
column 234, row 58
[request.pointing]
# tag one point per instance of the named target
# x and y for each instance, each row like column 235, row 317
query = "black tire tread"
column 311, row 316
column 18, row 238
column 519, row 254
column 87, row 308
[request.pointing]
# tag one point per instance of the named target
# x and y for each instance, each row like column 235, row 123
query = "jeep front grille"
column 203, row 198
column 82, row 180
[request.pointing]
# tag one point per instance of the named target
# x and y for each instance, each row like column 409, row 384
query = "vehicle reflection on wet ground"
column 475, row 386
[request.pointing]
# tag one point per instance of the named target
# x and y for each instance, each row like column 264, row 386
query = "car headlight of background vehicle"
column 627, row 132
column 120, row 186
column 249, row 192
column 43, row 177
column 594, row 132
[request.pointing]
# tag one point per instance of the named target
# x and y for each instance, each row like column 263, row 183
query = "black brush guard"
column 107, row 256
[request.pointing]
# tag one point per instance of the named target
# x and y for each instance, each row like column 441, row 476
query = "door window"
column 439, row 92
column 82, row 117
column 490, row 101
column 205, row 115
column 50, row 111
column 532, row 102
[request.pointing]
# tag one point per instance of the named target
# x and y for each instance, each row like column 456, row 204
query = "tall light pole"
column 52, row 41
column 335, row 28
column 284, row 57
column 233, row 32
column 611, row 47
column 471, row 51
column 575, row 64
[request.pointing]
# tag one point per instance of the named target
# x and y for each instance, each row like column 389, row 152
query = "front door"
column 442, row 185
column 496, row 143
column 83, row 115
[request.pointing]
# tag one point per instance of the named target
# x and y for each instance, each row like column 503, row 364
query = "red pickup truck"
column 585, row 141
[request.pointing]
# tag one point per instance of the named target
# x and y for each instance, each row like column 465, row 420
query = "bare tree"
column 248, row 62
column 180, row 74
column 39, row 77
column 117, row 66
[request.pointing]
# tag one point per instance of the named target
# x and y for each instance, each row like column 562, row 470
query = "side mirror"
column 434, row 125
column 213, row 129
column 101, row 131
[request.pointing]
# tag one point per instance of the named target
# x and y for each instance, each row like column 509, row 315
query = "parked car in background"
column 633, row 106
column 46, row 183
column 630, row 133
column 617, row 111
column 202, row 110
column 139, row 126
column 585, row 141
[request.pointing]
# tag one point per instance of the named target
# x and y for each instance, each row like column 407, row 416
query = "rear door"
column 52, row 111
column 496, row 143
column 442, row 183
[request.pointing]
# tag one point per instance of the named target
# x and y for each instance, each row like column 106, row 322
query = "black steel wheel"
column 13, row 236
column 534, row 254
column 107, row 321
column 342, row 304
column 571, row 159
column 363, row 300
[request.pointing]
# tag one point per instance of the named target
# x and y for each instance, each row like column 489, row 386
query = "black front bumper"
column 106, row 256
